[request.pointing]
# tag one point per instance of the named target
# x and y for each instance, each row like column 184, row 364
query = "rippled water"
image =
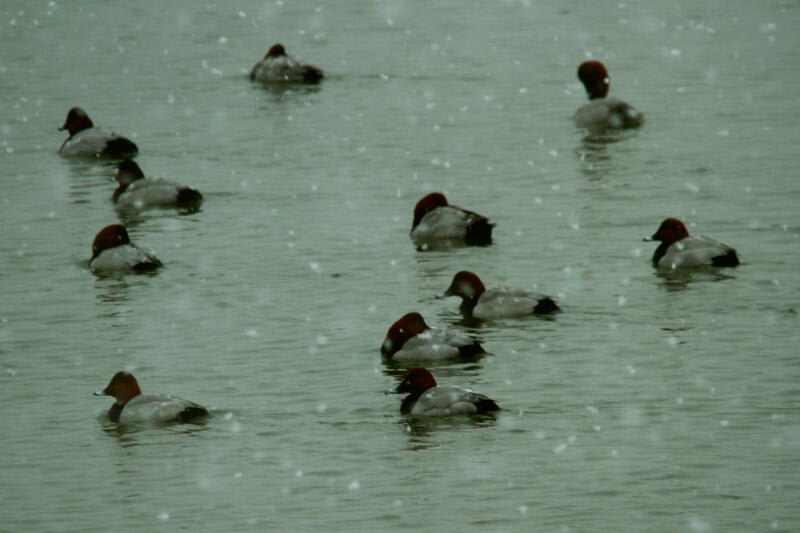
column 651, row 404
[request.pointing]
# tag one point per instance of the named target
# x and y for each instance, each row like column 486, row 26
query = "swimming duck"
column 429, row 399
column 137, row 193
column 501, row 302
column 679, row 250
column 436, row 220
column 112, row 250
column 87, row 141
column 133, row 407
column 280, row 67
column 411, row 339
column 603, row 112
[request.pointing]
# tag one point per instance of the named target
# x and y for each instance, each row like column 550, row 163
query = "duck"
column 112, row 250
column 87, row 141
column 137, row 193
column 603, row 112
column 680, row 250
column 280, row 67
column 436, row 220
column 429, row 399
column 501, row 302
column 133, row 407
column 411, row 339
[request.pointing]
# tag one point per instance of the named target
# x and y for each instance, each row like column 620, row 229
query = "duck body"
column 608, row 113
column 281, row 67
column 125, row 257
column 156, row 193
column 156, row 408
column 696, row 251
column 507, row 302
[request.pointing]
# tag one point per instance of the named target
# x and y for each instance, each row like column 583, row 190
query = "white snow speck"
column 698, row 524
column 163, row 516
column 672, row 340
column 354, row 485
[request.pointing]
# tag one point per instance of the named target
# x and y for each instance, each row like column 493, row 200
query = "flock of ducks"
column 436, row 223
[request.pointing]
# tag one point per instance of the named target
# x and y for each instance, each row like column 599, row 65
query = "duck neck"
column 119, row 192
column 409, row 401
column 468, row 304
column 114, row 412
column 660, row 252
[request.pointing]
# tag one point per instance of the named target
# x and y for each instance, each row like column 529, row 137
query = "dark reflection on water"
column 419, row 429
column 283, row 93
column 131, row 218
column 126, row 434
column 444, row 245
column 592, row 152
column 679, row 280
column 119, row 275
column 111, row 289
column 444, row 369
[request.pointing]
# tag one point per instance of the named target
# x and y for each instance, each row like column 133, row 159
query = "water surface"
column 651, row 404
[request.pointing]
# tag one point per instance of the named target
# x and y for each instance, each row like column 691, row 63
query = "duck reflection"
column 679, row 280
column 593, row 152
column 128, row 435
column 420, row 429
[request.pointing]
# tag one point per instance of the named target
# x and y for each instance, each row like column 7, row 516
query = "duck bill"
column 649, row 239
column 101, row 393
column 445, row 294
